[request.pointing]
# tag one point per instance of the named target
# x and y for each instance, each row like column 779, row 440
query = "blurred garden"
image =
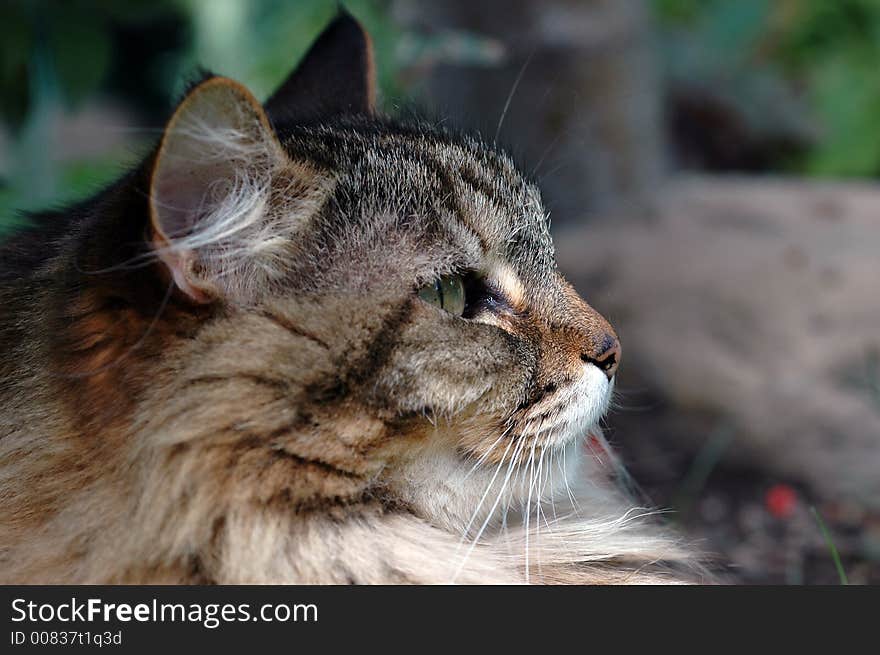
column 749, row 85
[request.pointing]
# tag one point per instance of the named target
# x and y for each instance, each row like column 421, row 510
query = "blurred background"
column 711, row 168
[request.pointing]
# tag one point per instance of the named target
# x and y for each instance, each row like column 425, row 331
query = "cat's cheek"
column 443, row 366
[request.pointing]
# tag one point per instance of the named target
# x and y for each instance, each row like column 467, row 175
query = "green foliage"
column 834, row 48
column 826, row 53
column 787, row 63
column 16, row 42
column 80, row 53
column 259, row 42
column 58, row 56
column 841, row 573
column 678, row 12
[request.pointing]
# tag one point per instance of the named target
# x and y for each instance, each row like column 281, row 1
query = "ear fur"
column 336, row 76
column 210, row 183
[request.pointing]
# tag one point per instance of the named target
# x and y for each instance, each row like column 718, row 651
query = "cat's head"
column 352, row 270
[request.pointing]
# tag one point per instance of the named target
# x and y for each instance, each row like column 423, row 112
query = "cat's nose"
column 606, row 356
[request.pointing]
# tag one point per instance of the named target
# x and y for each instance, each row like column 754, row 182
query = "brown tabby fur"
column 273, row 403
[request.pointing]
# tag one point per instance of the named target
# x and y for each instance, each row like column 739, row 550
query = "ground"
column 757, row 527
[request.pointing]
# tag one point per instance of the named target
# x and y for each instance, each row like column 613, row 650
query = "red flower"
column 780, row 500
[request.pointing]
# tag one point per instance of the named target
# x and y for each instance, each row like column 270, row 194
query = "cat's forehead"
column 451, row 186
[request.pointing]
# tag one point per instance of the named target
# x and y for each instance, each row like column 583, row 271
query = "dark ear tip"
column 342, row 12
column 345, row 22
column 335, row 77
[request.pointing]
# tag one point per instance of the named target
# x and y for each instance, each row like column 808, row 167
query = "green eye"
column 446, row 293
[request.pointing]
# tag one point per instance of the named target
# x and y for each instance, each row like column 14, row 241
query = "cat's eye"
column 446, row 293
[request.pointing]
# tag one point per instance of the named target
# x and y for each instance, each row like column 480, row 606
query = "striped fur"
column 262, row 396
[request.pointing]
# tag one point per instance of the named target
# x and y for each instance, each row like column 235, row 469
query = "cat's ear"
column 210, row 182
column 336, row 76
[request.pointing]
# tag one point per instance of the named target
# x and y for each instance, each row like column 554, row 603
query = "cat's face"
column 478, row 329
column 383, row 271
column 438, row 251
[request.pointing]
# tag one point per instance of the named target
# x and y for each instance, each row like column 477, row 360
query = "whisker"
column 491, row 511
column 529, row 507
column 538, row 500
column 623, row 476
column 510, row 95
column 574, row 503
column 553, row 459
column 485, row 494
column 545, row 473
column 487, row 453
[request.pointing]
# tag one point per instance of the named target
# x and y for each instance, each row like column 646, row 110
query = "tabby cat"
column 305, row 343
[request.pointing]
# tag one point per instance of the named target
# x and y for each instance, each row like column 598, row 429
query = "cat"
column 306, row 343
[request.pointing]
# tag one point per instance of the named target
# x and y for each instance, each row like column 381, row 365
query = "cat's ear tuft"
column 336, row 77
column 210, row 180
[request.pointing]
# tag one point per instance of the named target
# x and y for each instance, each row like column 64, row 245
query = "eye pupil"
column 439, row 287
column 447, row 293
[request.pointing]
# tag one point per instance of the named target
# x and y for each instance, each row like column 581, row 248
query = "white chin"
column 450, row 492
column 589, row 399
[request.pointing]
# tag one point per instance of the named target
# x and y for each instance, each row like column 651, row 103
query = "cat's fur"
column 219, row 369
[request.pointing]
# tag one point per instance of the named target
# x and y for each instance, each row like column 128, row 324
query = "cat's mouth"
column 567, row 414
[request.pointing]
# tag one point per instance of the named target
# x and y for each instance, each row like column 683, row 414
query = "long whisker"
column 509, row 498
column 623, row 476
column 485, row 494
column 492, row 510
column 529, row 506
column 539, row 488
column 574, row 503
column 552, row 458
column 487, row 453
column 510, row 95
column 544, row 478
